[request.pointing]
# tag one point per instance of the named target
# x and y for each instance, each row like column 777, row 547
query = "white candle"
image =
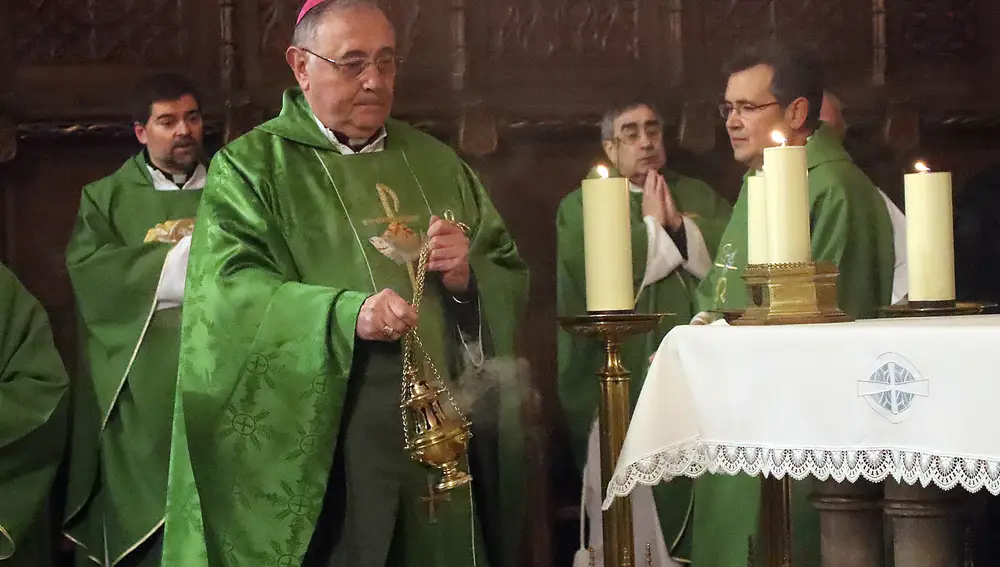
column 756, row 220
column 607, row 241
column 930, row 245
column 786, row 175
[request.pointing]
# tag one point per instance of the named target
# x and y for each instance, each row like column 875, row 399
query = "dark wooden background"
column 516, row 85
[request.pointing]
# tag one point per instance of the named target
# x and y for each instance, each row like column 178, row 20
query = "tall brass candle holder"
column 611, row 328
column 786, row 294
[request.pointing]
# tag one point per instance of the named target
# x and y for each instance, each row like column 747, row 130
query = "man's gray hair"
column 305, row 31
column 608, row 120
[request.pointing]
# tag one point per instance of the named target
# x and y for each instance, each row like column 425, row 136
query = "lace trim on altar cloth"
column 695, row 458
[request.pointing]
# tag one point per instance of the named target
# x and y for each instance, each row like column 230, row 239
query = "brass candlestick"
column 611, row 328
column 786, row 294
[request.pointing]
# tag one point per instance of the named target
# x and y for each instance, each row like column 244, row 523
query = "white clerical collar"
column 634, row 188
column 376, row 145
column 195, row 182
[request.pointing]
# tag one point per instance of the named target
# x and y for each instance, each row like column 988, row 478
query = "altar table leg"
column 850, row 518
column 927, row 530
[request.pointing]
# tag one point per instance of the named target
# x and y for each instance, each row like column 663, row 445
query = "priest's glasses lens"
column 388, row 64
column 725, row 109
column 354, row 68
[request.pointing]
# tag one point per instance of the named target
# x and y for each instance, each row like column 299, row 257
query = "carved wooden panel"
column 88, row 53
column 6, row 49
column 932, row 39
column 121, row 31
column 553, row 59
column 840, row 33
column 728, row 24
column 532, row 31
column 935, row 29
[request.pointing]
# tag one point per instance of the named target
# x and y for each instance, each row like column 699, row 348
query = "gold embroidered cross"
column 398, row 242
column 728, row 255
column 432, row 498
column 390, row 204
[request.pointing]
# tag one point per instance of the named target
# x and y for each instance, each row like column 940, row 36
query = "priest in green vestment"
column 288, row 445
column 127, row 260
column 773, row 86
column 676, row 220
column 33, row 407
column 832, row 113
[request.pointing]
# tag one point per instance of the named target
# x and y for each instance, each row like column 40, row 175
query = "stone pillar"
column 926, row 525
column 850, row 517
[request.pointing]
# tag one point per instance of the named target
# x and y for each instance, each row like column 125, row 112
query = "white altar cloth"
column 917, row 400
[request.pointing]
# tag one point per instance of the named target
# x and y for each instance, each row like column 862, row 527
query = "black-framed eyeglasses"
column 743, row 109
column 354, row 67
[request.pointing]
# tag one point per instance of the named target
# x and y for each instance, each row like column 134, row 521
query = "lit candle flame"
column 779, row 138
column 921, row 167
column 603, row 171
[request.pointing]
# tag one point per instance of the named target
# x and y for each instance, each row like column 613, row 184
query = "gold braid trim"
column 82, row 546
column 141, row 541
column 13, row 546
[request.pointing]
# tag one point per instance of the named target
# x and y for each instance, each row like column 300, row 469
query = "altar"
column 909, row 401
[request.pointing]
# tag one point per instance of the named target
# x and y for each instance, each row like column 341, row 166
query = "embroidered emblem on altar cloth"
column 893, row 386
column 399, row 242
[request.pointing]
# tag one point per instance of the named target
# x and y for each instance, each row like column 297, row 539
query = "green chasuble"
column 851, row 228
column 33, row 399
column 282, row 413
column 123, row 400
column 580, row 358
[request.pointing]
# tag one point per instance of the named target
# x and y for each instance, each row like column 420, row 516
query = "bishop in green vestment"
column 33, row 396
column 288, row 445
column 676, row 220
column 774, row 87
column 127, row 260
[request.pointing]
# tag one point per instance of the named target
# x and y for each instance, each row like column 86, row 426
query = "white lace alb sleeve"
column 662, row 254
column 699, row 262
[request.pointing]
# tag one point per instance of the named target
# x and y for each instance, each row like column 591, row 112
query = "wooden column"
column 925, row 524
column 851, row 532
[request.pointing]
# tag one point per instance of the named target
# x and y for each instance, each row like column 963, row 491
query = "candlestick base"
column 791, row 294
column 611, row 330
column 943, row 309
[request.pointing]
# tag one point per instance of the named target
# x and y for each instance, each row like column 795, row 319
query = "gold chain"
column 413, row 348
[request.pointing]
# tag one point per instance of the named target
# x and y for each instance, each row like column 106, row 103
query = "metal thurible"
column 435, row 434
